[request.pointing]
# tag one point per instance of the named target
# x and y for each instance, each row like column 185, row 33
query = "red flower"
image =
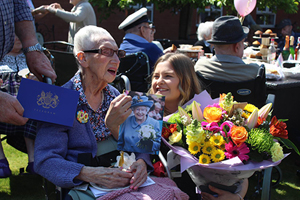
column 159, row 169
column 278, row 128
column 165, row 132
column 260, row 120
column 173, row 128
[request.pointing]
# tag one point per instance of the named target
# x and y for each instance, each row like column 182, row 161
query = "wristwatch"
column 36, row 47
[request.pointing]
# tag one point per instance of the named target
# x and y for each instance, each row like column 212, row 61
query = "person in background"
column 82, row 14
column 286, row 29
column 204, row 32
column 179, row 85
column 19, row 20
column 228, row 36
column 139, row 36
column 251, row 24
column 155, row 114
column 10, row 65
column 38, row 63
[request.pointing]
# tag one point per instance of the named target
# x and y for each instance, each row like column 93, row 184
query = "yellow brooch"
column 82, row 116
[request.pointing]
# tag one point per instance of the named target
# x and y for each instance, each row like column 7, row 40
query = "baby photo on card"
column 141, row 131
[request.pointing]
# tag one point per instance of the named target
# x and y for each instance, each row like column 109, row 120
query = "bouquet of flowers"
column 227, row 141
column 147, row 135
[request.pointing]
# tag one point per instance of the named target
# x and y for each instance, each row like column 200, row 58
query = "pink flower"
column 213, row 126
column 233, row 151
column 226, row 123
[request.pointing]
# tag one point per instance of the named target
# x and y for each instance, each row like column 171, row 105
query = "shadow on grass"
column 27, row 187
column 289, row 187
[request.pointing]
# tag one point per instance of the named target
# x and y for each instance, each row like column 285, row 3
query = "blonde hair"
column 189, row 84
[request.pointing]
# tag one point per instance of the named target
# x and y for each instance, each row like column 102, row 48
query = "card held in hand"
column 48, row 103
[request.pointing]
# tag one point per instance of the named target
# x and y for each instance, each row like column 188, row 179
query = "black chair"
column 121, row 83
column 136, row 67
column 252, row 91
column 65, row 62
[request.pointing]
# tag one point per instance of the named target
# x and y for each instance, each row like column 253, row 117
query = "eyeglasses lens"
column 110, row 52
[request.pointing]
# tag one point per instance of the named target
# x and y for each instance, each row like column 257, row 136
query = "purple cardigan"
column 57, row 147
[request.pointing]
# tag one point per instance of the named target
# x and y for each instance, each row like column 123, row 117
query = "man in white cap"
column 138, row 36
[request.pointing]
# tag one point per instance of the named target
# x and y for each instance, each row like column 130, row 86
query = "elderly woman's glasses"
column 107, row 52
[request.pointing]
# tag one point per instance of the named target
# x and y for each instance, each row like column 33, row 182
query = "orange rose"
column 278, row 128
column 212, row 114
column 238, row 135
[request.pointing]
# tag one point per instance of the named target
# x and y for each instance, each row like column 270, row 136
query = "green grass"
column 21, row 187
column 29, row 187
column 288, row 188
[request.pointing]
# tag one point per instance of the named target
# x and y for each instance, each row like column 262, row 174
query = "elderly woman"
column 57, row 148
column 130, row 131
column 204, row 32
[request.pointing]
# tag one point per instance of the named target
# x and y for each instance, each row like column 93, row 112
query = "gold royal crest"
column 46, row 100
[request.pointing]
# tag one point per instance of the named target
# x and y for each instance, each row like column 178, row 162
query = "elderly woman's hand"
column 117, row 113
column 103, row 176
column 139, row 170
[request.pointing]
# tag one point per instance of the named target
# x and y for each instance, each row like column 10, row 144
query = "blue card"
column 48, row 103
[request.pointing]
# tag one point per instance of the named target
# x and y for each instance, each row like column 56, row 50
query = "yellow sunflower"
column 217, row 155
column 222, row 145
column 194, row 148
column 208, row 148
column 216, row 140
column 204, row 159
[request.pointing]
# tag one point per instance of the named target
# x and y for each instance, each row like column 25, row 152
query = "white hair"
column 89, row 37
column 204, row 29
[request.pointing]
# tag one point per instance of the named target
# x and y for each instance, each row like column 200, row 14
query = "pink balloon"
column 244, row 7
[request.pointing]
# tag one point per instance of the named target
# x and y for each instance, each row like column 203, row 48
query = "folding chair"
column 136, row 67
column 251, row 91
column 65, row 62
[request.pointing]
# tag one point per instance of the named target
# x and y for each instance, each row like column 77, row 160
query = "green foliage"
column 260, row 140
column 107, row 7
column 289, row 144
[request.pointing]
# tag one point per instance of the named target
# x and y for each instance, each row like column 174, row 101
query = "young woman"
column 175, row 78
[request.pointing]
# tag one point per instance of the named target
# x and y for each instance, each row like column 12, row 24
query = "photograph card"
column 141, row 131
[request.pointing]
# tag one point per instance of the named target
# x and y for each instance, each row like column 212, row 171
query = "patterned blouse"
column 97, row 117
column 13, row 63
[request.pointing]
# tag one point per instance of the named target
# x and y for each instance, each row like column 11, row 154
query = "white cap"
column 135, row 19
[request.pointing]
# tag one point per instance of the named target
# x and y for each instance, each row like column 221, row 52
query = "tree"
column 107, row 7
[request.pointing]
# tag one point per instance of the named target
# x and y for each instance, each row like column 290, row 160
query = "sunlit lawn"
column 20, row 187
column 29, row 187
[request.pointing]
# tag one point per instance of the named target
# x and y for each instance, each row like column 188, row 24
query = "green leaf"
column 255, row 156
column 289, row 144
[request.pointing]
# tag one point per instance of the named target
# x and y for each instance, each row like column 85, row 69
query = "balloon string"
column 241, row 18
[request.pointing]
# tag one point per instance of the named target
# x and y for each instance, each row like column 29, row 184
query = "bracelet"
column 241, row 198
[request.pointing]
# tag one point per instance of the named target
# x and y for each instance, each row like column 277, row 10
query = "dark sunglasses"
column 107, row 52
